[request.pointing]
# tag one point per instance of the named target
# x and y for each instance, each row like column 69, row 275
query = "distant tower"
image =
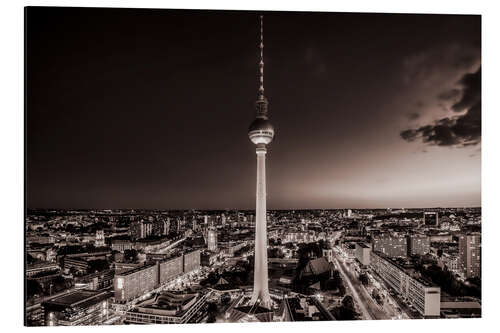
column 261, row 133
column 212, row 239
column 166, row 226
column 99, row 238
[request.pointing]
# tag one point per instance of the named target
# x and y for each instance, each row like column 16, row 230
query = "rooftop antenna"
column 261, row 63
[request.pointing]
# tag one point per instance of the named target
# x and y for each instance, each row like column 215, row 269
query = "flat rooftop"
column 79, row 298
column 135, row 270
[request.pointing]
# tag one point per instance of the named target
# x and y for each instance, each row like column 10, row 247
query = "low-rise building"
column 168, row 308
column 121, row 245
column 80, row 307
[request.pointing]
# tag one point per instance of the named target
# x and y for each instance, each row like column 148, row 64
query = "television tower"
column 261, row 133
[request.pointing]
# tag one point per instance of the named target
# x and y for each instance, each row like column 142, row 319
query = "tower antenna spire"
column 261, row 62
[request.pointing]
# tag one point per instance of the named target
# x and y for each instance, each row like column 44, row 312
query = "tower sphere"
column 261, row 131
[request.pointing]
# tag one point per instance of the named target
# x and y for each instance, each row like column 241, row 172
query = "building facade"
column 212, row 239
column 138, row 281
column 80, row 307
column 168, row 308
column 392, row 246
column 418, row 245
column 135, row 282
column 362, row 253
column 425, row 297
column 469, row 252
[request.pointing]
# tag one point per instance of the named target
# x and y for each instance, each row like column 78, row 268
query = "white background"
column 12, row 159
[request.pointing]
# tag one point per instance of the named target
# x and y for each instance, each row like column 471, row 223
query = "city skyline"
column 160, row 214
column 146, row 109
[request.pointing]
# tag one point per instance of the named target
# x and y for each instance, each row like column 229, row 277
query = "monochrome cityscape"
column 267, row 257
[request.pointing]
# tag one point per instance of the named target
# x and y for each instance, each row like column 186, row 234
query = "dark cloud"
column 431, row 65
column 471, row 93
column 420, row 104
column 460, row 131
column 413, row 115
column 452, row 94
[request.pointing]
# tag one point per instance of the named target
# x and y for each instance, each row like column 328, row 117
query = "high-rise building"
column 99, row 238
column 261, row 133
column 469, row 255
column 362, row 253
column 135, row 282
column 431, row 219
column 418, row 245
column 391, row 246
column 158, row 227
column 422, row 294
column 328, row 254
column 166, row 226
column 212, row 239
column 192, row 261
column 141, row 229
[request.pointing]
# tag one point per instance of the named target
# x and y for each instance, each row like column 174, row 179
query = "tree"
column 346, row 310
column 33, row 288
column 212, row 312
column 342, row 290
column 275, row 253
column 98, row 265
column 364, row 279
column 130, row 255
column 348, row 302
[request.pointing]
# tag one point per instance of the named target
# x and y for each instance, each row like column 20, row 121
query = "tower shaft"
column 260, row 284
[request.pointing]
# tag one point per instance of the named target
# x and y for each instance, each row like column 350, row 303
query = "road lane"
column 364, row 310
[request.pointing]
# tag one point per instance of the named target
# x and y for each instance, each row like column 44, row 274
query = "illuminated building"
column 141, row 229
column 212, row 239
column 328, row 254
column 418, row 245
column 192, row 261
column 140, row 280
column 121, row 245
column 431, row 219
column 168, row 308
column 81, row 307
column 135, row 282
column 469, row 255
column 362, row 253
column 391, row 246
column 171, row 269
column 99, row 238
column 424, row 296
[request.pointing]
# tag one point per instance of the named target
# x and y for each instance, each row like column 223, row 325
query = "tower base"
column 246, row 310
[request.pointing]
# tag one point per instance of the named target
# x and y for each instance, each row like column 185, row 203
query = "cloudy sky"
column 150, row 109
